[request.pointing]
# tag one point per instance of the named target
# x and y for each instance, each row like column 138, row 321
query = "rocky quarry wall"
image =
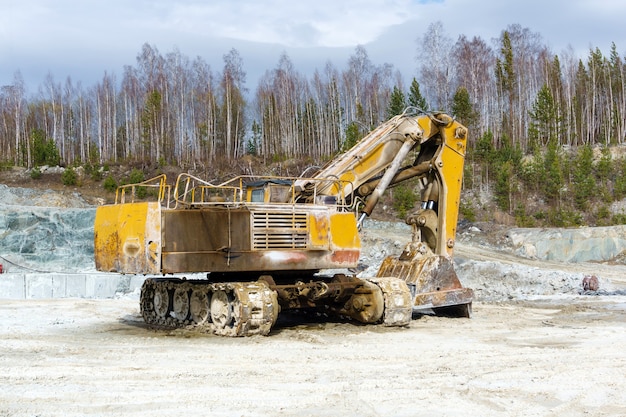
column 582, row 244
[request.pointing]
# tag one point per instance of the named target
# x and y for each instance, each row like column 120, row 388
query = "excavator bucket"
column 433, row 283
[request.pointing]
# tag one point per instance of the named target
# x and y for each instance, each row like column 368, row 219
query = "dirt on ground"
column 76, row 357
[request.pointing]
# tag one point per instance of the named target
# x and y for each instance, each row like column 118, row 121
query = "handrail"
column 191, row 191
column 159, row 182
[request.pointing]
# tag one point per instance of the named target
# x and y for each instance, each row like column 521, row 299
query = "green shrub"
column 467, row 211
column 6, row 165
column 404, row 199
column 564, row 218
column 522, row 218
column 44, row 150
column 110, row 184
column 93, row 171
column 619, row 219
column 69, row 177
column 137, row 176
column 35, row 173
column 96, row 175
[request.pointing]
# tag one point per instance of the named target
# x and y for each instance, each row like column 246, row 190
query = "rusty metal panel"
column 206, row 239
column 319, row 229
column 272, row 238
column 205, row 230
column 252, row 261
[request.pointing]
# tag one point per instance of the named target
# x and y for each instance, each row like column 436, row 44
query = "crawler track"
column 225, row 309
column 398, row 303
column 246, row 308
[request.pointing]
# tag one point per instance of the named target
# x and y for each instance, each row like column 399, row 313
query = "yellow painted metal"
column 157, row 184
column 319, row 230
column 127, row 238
column 336, row 188
column 344, row 232
column 369, row 157
column 451, row 162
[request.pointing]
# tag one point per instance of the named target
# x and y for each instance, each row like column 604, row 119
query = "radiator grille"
column 279, row 230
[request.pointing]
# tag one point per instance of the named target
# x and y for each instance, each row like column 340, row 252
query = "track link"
column 225, row 309
column 398, row 304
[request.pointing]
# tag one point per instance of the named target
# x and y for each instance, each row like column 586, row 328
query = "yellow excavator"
column 265, row 242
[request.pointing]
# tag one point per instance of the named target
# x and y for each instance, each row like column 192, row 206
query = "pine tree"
column 503, row 186
column 353, row 135
column 544, row 119
column 253, row 142
column 605, row 166
column 533, row 171
column 553, row 181
column 583, row 181
column 605, row 176
column 619, row 185
column 397, row 103
column 44, row 150
column 484, row 152
column 506, row 81
column 415, row 98
column 462, row 108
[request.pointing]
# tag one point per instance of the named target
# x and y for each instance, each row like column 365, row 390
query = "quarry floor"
column 551, row 356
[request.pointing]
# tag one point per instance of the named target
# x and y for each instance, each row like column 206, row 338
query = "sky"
column 83, row 39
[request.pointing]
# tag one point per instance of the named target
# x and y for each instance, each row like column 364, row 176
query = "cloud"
column 85, row 38
column 325, row 23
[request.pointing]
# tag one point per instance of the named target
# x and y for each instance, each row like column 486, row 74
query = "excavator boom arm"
column 379, row 161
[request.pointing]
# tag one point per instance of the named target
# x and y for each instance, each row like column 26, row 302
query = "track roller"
column 226, row 309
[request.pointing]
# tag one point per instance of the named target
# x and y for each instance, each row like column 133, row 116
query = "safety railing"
column 191, row 191
column 154, row 189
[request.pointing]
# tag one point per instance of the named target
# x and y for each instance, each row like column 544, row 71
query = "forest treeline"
column 541, row 124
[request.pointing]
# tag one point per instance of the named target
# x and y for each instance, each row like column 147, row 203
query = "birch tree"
column 205, row 112
column 618, row 95
column 232, row 88
column 434, row 52
column 359, row 69
column 475, row 65
column 12, row 103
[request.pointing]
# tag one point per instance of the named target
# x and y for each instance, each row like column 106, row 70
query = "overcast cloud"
column 83, row 39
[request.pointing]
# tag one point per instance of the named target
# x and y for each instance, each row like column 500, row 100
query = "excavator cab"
column 268, row 191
